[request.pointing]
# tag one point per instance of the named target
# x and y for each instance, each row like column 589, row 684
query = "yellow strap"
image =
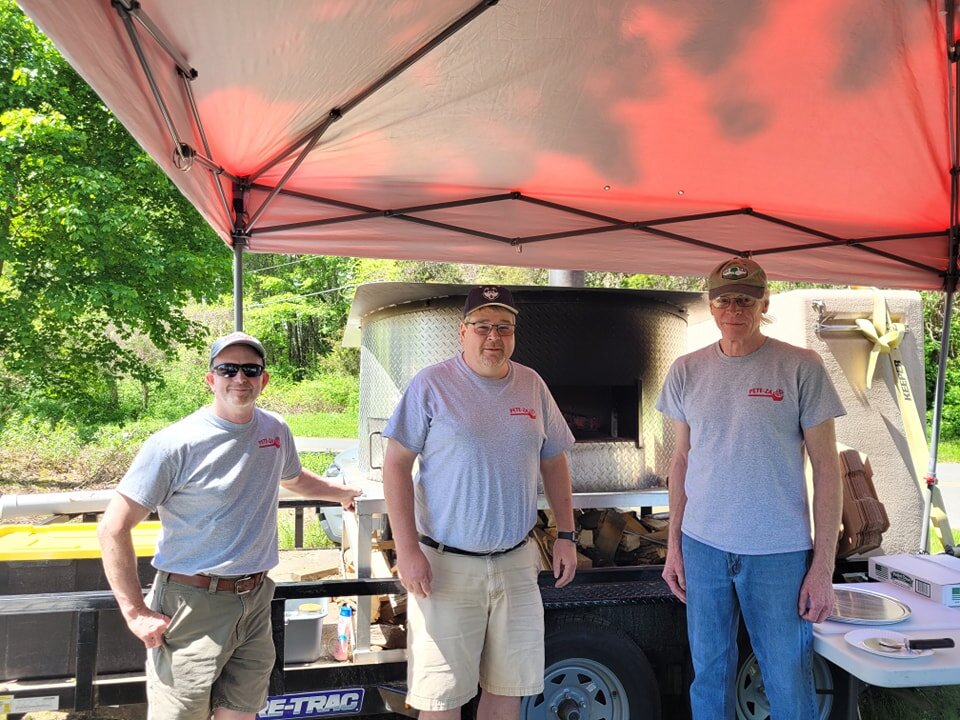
column 886, row 337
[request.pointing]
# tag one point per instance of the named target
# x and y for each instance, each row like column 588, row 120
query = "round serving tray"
column 860, row 606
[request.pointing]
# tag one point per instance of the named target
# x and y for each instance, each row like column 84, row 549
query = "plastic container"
column 303, row 631
column 59, row 559
column 344, row 642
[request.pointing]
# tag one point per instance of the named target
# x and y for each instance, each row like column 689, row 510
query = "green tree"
column 97, row 247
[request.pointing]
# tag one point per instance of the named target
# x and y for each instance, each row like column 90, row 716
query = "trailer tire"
column 593, row 670
column 752, row 703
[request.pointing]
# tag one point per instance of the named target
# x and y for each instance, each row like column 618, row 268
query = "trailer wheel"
column 752, row 703
column 593, row 672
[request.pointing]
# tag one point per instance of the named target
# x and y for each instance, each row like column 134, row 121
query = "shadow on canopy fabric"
column 647, row 136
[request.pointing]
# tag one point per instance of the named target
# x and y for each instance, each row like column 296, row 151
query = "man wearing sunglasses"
column 744, row 411
column 214, row 479
column 484, row 429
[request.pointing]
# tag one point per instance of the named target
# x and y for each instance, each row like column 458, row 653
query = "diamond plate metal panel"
column 570, row 339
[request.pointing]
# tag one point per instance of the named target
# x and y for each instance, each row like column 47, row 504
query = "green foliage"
column 98, row 250
column 299, row 308
column 376, row 270
column 38, row 456
column 326, row 393
column 933, row 312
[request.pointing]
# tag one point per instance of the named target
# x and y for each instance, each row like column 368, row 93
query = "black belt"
column 430, row 542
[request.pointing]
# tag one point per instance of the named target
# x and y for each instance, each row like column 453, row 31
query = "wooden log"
column 609, row 532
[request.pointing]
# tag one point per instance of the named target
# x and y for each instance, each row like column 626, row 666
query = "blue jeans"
column 766, row 589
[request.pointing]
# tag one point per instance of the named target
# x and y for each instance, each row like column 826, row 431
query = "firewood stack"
column 608, row 538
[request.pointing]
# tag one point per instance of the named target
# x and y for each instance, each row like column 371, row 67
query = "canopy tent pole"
column 239, row 244
column 933, row 495
column 240, row 239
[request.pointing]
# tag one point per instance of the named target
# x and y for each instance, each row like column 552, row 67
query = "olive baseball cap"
column 487, row 295
column 236, row 338
column 737, row 275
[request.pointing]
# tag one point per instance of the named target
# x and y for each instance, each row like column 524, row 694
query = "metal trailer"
column 616, row 649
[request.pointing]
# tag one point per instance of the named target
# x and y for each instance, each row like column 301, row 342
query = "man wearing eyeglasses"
column 214, row 480
column 744, row 410
column 484, row 429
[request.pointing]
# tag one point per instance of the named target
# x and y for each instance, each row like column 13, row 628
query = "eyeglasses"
column 230, row 370
column 484, row 328
column 725, row 301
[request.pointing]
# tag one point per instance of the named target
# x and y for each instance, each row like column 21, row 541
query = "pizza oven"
column 603, row 353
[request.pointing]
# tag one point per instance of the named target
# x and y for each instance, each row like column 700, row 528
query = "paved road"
column 331, row 445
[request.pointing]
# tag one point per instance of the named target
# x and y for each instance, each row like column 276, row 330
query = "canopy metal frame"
column 246, row 224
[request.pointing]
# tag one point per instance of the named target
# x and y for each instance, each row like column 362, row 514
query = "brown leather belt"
column 238, row 585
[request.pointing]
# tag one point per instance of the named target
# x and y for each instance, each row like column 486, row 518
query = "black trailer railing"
column 86, row 690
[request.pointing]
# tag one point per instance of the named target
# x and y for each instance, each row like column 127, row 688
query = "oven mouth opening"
column 600, row 413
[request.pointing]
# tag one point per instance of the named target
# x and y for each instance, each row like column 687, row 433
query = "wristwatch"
column 571, row 535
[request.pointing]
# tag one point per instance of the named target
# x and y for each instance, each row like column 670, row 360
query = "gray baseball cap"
column 236, row 338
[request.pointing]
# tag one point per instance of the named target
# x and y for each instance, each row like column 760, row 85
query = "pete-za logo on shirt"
column 529, row 412
column 270, row 442
column 775, row 395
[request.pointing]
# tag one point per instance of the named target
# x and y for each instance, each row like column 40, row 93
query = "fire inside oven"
column 600, row 413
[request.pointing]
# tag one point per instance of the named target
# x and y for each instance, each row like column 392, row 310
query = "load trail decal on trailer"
column 327, row 703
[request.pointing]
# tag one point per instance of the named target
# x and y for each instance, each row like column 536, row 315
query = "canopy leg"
column 933, row 505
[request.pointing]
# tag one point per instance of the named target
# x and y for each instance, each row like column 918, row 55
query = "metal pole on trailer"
column 933, row 495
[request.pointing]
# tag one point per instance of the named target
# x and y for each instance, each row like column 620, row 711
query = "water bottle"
column 341, row 648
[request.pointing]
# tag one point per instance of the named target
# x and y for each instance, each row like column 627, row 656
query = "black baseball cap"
column 487, row 295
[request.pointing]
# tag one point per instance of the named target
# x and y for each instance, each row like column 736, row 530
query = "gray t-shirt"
column 480, row 443
column 745, row 484
column 215, row 486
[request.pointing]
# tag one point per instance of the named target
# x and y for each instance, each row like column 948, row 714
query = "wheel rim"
column 752, row 703
column 578, row 689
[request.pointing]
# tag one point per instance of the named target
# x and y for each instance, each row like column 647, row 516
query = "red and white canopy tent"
column 656, row 136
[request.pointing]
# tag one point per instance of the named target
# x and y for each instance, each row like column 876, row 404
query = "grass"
column 937, row 547
column 948, row 451
column 324, row 424
column 313, row 534
column 929, row 703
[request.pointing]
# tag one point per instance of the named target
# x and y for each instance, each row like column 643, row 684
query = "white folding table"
column 928, row 619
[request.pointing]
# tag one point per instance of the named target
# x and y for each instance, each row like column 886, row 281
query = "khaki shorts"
column 482, row 623
column 218, row 651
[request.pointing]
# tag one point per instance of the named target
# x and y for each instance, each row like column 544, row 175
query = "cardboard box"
column 936, row 577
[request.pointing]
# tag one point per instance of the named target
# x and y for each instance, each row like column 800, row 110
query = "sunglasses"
column 229, row 370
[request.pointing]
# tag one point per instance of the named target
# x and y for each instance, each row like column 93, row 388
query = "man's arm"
column 673, row 571
column 120, row 566
column 412, row 565
column 816, row 593
column 310, row 485
column 557, row 489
